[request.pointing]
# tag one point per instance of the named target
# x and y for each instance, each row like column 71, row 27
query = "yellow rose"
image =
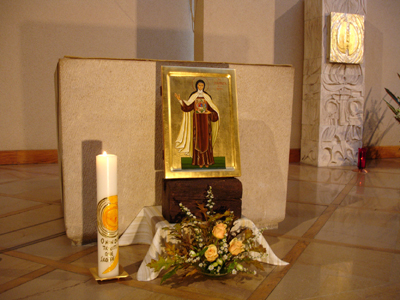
column 219, row 230
column 211, row 253
column 236, row 247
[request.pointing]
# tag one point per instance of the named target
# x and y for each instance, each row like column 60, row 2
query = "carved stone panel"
column 333, row 93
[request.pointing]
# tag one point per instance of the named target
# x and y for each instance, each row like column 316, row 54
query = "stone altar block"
column 333, row 93
column 115, row 105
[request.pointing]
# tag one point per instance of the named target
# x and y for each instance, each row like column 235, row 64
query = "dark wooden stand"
column 191, row 192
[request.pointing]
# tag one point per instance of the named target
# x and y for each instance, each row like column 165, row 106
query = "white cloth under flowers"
column 147, row 228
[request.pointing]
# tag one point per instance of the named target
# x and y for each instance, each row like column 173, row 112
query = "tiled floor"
column 341, row 237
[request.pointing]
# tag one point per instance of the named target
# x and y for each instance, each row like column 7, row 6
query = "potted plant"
column 397, row 100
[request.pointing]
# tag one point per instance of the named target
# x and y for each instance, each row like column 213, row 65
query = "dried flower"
column 211, row 253
column 219, row 230
column 210, row 246
column 236, row 247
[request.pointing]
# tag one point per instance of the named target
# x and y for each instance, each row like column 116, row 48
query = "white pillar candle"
column 107, row 215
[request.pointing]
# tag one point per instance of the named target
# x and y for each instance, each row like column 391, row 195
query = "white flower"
column 211, row 267
column 234, row 272
column 192, row 253
column 200, row 265
column 225, row 257
column 255, row 272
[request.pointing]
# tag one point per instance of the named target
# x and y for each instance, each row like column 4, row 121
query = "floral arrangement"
column 397, row 100
column 212, row 247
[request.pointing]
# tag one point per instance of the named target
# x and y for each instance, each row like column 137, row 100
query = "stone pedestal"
column 333, row 93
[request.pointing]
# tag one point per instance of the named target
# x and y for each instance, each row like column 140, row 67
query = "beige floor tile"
column 30, row 218
column 233, row 287
column 384, row 180
column 10, row 175
column 89, row 261
column 340, row 175
column 313, row 192
column 49, row 194
column 328, row 271
column 299, row 218
column 60, row 285
column 362, row 227
column 12, row 268
column 56, row 249
column 8, row 204
column 374, row 198
column 31, row 234
column 132, row 256
column 18, row 187
column 280, row 246
column 147, row 295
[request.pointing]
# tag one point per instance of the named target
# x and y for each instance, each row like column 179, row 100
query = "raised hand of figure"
column 177, row 96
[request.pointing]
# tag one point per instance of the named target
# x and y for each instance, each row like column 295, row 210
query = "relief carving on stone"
column 341, row 114
column 333, row 93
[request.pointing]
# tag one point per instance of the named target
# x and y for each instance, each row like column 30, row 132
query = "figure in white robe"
column 199, row 128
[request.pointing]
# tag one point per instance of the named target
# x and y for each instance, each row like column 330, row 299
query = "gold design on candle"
column 107, row 216
column 114, row 264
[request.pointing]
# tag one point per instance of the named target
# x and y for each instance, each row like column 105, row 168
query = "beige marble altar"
column 333, row 93
column 115, row 105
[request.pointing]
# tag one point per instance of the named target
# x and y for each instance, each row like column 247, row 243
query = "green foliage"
column 161, row 263
column 170, row 273
column 395, row 99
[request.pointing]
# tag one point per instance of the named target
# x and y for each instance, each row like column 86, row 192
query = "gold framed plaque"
column 346, row 38
column 200, row 121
